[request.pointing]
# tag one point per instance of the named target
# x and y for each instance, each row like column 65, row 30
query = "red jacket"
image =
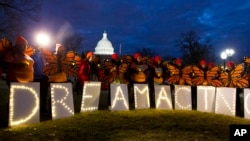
column 84, row 71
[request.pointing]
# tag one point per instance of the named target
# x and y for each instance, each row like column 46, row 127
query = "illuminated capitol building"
column 104, row 48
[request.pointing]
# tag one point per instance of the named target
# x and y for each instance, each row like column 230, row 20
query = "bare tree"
column 15, row 14
column 73, row 42
column 146, row 52
column 193, row 48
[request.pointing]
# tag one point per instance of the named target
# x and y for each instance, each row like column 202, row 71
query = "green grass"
column 150, row 124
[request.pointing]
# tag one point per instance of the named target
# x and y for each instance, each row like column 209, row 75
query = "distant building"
column 104, row 48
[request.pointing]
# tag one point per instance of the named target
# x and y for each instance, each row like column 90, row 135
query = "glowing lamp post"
column 229, row 53
column 42, row 39
column 223, row 56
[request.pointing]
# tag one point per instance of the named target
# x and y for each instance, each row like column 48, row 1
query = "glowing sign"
column 141, row 94
column 24, row 103
column 225, row 101
column 205, row 98
column 90, row 96
column 61, row 100
column 183, row 99
column 163, row 98
column 119, row 97
column 247, row 103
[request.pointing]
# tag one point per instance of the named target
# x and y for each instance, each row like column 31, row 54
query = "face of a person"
column 179, row 64
column 159, row 62
column 21, row 48
column 91, row 58
column 229, row 67
column 203, row 65
column 138, row 59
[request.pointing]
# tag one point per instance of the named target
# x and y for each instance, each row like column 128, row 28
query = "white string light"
column 220, row 96
column 246, row 105
column 163, row 97
column 86, row 96
column 205, row 89
column 12, row 102
column 119, row 96
column 142, row 92
column 60, row 101
column 177, row 94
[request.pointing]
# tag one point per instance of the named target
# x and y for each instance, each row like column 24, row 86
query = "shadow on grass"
column 4, row 104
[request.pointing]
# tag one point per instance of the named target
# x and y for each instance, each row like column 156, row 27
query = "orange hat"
column 136, row 55
column 157, row 58
column 89, row 54
column 114, row 56
column 178, row 61
column 210, row 64
column 230, row 64
column 203, row 62
column 21, row 40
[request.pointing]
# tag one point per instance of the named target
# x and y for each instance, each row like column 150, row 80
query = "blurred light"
column 42, row 39
column 229, row 52
column 223, row 55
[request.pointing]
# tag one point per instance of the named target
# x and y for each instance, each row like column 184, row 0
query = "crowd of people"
column 46, row 67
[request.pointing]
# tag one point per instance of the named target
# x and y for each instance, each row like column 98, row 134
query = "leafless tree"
column 193, row 48
column 73, row 42
column 15, row 15
column 146, row 52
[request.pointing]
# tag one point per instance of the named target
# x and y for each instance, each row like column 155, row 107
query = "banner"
column 24, row 105
column 225, row 101
column 183, row 99
column 141, row 94
column 119, row 97
column 163, row 99
column 206, row 99
column 247, row 103
column 90, row 96
column 61, row 100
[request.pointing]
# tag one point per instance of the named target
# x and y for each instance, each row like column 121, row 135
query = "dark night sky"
column 153, row 24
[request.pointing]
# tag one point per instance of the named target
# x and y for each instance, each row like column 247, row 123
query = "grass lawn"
column 135, row 125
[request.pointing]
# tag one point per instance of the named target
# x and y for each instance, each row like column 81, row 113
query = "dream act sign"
column 25, row 97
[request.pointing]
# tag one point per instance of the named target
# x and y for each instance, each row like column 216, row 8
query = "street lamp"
column 229, row 53
column 223, row 56
column 42, row 39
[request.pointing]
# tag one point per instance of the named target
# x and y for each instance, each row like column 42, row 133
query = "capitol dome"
column 104, row 46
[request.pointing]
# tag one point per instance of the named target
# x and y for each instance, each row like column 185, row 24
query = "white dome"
column 104, row 46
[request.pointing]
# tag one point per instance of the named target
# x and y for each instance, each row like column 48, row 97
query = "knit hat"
column 157, row 58
column 136, row 55
column 203, row 62
column 21, row 40
column 89, row 54
column 114, row 56
column 230, row 64
column 210, row 64
column 178, row 61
